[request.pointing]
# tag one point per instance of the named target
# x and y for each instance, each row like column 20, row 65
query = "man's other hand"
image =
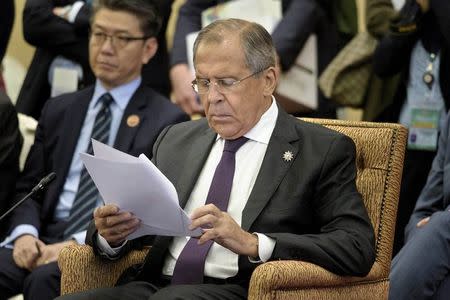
column 220, row 227
column 113, row 224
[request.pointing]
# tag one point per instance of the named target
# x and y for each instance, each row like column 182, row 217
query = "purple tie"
column 190, row 265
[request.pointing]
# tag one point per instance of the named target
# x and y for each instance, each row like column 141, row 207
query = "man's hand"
column 62, row 12
column 184, row 96
column 424, row 5
column 114, row 225
column 26, row 251
column 423, row 222
column 49, row 253
column 220, row 227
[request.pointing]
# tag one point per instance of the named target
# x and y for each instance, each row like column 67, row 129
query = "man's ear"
column 150, row 47
column 270, row 81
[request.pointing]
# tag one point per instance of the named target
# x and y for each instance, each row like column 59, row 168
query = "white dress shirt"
column 221, row 262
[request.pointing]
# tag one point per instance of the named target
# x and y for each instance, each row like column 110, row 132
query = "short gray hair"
column 256, row 42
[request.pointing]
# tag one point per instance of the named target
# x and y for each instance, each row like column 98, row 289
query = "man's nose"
column 108, row 45
column 213, row 93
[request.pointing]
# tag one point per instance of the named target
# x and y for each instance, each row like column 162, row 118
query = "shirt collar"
column 262, row 131
column 121, row 94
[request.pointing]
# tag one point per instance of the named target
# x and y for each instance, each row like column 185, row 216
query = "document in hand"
column 136, row 185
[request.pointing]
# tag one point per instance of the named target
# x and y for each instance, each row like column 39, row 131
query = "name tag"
column 65, row 80
column 423, row 131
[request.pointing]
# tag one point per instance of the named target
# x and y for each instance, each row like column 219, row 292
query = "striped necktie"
column 190, row 265
column 87, row 193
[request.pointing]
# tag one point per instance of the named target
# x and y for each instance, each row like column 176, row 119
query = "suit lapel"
column 126, row 133
column 196, row 159
column 273, row 168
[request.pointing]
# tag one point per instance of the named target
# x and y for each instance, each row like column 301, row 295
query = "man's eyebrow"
column 97, row 26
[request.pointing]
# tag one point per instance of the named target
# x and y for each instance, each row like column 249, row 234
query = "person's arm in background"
column 299, row 21
column 431, row 198
column 392, row 54
column 379, row 15
column 6, row 23
column 189, row 20
column 441, row 10
column 10, row 146
column 42, row 28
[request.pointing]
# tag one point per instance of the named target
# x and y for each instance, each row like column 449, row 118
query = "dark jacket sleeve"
column 431, row 199
column 379, row 13
column 299, row 21
column 6, row 23
column 10, row 146
column 41, row 28
column 35, row 169
column 441, row 10
column 393, row 52
column 189, row 20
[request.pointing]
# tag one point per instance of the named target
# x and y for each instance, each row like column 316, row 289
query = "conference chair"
column 380, row 151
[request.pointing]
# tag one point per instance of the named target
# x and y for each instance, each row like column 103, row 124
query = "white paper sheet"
column 136, row 185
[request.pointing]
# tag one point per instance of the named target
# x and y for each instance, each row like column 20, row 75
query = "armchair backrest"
column 380, row 149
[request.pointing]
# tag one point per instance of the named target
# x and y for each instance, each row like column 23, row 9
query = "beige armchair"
column 380, row 152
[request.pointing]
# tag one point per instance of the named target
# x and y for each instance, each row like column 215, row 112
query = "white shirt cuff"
column 19, row 231
column 74, row 10
column 106, row 248
column 80, row 237
column 265, row 248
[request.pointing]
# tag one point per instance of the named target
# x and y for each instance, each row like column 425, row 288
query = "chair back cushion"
column 380, row 151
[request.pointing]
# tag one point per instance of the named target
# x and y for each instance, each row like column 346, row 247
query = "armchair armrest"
column 82, row 270
column 303, row 280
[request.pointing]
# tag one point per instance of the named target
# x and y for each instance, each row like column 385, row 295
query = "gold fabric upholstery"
column 380, row 151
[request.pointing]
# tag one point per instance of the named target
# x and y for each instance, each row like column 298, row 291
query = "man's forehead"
column 115, row 20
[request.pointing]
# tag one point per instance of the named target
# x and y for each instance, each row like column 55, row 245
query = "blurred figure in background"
column 7, row 13
column 300, row 19
column 417, row 47
column 59, row 29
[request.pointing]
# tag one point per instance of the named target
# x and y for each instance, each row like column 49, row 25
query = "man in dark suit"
column 300, row 19
column 59, row 29
column 120, row 109
column 10, row 146
column 290, row 187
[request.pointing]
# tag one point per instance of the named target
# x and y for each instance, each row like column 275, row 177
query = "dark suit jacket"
column 10, row 146
column 54, row 36
column 6, row 22
column 393, row 55
column 435, row 196
column 300, row 19
column 56, row 138
column 309, row 205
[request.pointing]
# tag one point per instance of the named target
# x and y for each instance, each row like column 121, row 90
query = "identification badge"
column 423, row 130
column 65, row 80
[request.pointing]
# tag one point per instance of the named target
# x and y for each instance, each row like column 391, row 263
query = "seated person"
column 281, row 189
column 120, row 110
column 300, row 19
column 10, row 146
column 421, row 269
column 59, row 29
